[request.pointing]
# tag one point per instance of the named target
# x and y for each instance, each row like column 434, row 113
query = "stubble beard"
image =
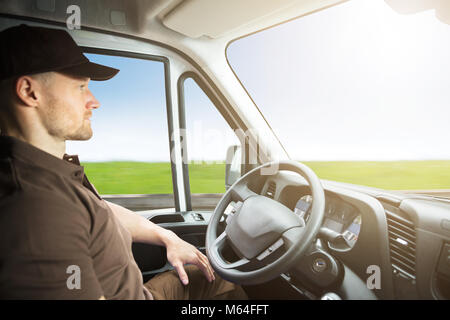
column 84, row 133
column 59, row 124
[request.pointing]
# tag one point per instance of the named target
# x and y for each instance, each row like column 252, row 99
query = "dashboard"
column 340, row 217
column 406, row 237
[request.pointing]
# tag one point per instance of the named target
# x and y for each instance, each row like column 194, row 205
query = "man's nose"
column 92, row 103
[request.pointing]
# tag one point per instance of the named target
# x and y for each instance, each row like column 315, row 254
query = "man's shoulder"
column 40, row 207
column 23, row 184
column 27, row 174
column 35, row 197
column 8, row 182
column 37, row 223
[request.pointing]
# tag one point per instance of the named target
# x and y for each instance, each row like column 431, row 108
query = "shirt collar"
column 69, row 165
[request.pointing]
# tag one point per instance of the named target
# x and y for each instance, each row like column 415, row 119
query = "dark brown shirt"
column 59, row 239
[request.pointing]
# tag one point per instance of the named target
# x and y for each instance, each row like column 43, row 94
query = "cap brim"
column 96, row 72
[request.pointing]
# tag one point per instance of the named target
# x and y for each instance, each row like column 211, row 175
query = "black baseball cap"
column 27, row 50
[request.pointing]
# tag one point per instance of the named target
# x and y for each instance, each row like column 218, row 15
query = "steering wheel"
column 258, row 226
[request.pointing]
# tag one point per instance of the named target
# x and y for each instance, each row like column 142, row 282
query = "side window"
column 129, row 150
column 208, row 137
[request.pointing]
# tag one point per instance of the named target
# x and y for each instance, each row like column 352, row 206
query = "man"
column 52, row 220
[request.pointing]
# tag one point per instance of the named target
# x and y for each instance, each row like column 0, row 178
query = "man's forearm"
column 140, row 228
column 179, row 252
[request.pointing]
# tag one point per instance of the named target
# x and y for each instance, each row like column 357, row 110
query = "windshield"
column 358, row 92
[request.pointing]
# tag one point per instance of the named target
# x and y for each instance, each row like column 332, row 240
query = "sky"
column 354, row 82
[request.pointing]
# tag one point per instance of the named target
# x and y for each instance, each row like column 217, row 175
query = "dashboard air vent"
column 270, row 193
column 402, row 244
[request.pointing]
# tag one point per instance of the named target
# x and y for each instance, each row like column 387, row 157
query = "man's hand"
column 179, row 253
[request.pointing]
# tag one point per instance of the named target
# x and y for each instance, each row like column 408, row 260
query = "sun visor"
column 216, row 18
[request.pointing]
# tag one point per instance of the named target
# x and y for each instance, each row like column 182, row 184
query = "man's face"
column 67, row 107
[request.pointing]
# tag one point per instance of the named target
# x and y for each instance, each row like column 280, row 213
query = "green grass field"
column 148, row 178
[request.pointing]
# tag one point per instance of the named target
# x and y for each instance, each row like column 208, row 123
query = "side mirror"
column 232, row 165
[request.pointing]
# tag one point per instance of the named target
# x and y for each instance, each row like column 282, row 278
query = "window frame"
column 169, row 106
column 182, row 121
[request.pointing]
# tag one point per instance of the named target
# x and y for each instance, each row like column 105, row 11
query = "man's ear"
column 26, row 89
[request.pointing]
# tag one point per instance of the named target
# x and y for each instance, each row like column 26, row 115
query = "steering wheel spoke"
column 292, row 236
column 270, row 250
column 217, row 246
column 237, row 264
